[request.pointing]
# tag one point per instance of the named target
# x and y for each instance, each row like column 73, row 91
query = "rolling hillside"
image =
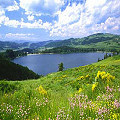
column 4, row 45
column 100, row 41
column 105, row 42
column 95, row 38
column 86, row 92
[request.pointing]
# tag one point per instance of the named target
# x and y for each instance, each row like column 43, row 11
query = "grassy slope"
column 60, row 87
column 107, row 45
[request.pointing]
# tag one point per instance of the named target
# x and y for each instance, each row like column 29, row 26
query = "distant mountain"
column 41, row 44
column 95, row 38
column 4, row 45
column 96, row 41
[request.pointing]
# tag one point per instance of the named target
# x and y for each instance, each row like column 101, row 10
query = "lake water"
column 48, row 63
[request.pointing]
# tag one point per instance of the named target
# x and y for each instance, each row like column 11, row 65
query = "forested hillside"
column 100, row 42
column 95, row 38
column 12, row 71
column 4, row 45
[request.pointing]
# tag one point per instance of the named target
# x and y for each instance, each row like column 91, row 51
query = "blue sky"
column 41, row 20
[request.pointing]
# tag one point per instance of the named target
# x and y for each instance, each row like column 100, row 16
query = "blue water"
column 48, row 63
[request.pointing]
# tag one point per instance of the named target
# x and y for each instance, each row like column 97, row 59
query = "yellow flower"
column 64, row 76
column 41, row 90
column 104, row 76
column 94, row 86
column 114, row 116
column 87, row 76
column 80, row 90
column 82, row 77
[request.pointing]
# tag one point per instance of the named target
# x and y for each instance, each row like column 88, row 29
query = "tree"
column 99, row 59
column 60, row 66
column 10, row 54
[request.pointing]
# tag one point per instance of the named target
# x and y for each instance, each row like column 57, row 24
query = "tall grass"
column 83, row 93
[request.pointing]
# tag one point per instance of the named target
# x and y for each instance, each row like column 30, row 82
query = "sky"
column 42, row 20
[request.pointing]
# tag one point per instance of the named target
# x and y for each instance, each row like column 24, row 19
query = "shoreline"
column 39, row 53
column 69, row 53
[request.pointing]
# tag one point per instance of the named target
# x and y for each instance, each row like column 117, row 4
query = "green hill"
column 12, row 71
column 4, row 45
column 86, row 92
column 100, row 41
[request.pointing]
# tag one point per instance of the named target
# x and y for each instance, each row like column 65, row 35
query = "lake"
column 48, row 63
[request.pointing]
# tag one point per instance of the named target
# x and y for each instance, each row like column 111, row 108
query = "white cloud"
column 110, row 25
column 116, row 28
column 6, row 21
column 41, row 6
column 2, row 16
column 13, row 7
column 36, row 25
column 47, row 25
column 11, row 23
column 93, row 16
column 75, row 20
column 9, row 5
column 69, row 15
column 20, row 36
column 2, row 12
column 17, row 35
column 30, row 17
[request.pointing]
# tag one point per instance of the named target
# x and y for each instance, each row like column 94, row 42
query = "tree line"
column 68, row 49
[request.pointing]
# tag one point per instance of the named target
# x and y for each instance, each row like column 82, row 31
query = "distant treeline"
column 109, row 55
column 12, row 71
column 67, row 49
column 10, row 54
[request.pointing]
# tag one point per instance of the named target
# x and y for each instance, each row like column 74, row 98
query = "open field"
column 82, row 93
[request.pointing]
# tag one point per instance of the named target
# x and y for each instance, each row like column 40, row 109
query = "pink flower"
column 81, row 114
column 116, row 104
column 119, row 89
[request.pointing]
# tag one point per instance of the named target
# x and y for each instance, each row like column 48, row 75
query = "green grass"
column 65, row 95
column 106, row 45
column 110, row 61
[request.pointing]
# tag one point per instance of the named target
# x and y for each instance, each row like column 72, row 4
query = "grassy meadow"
column 90, row 92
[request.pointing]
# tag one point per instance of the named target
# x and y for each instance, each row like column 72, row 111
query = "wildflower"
column 94, row 86
column 82, row 77
column 82, row 114
column 119, row 89
column 41, row 90
column 114, row 116
column 98, row 97
column 64, row 76
column 98, row 74
column 104, row 76
column 87, row 76
column 80, row 90
column 116, row 104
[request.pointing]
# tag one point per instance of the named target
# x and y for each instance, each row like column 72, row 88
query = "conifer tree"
column 60, row 67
